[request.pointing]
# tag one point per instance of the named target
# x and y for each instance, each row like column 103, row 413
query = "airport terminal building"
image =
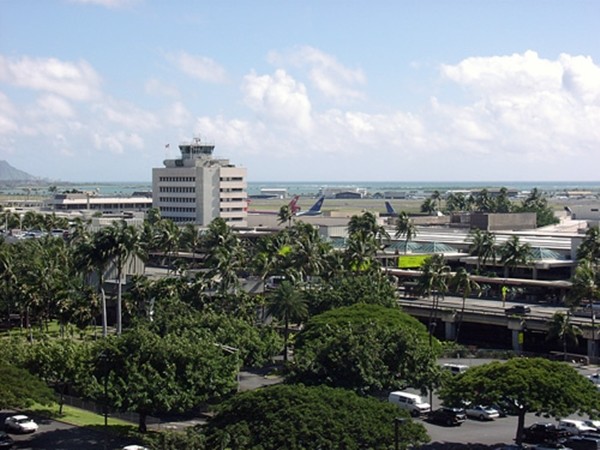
column 197, row 188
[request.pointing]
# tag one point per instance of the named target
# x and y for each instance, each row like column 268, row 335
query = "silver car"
column 20, row 424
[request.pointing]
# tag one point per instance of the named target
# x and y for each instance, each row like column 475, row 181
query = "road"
column 61, row 436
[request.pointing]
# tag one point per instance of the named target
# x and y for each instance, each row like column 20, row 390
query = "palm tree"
column 289, row 305
column 93, row 254
column 190, row 239
column 456, row 202
column 125, row 240
column 502, row 203
column 429, row 206
column 224, row 255
column 365, row 239
column 462, row 282
column 285, row 214
column 590, row 246
column 309, row 250
column 561, row 329
column 514, row 254
column 433, row 283
column 166, row 238
column 367, row 225
column 360, row 252
column 405, row 227
column 437, row 199
column 483, row 245
column 7, row 275
column 586, row 288
column 483, row 202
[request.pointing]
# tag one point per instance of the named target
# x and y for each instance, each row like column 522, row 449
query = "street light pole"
column 397, row 422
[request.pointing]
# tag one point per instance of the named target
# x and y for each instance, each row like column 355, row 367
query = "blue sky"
column 473, row 90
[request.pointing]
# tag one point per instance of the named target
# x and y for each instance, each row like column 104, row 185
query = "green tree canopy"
column 150, row 374
column 296, row 417
column 533, row 385
column 20, row 389
column 365, row 348
column 349, row 289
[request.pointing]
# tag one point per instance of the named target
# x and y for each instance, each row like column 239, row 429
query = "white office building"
column 198, row 188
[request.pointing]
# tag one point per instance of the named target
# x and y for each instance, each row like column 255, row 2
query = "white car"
column 593, row 423
column 575, row 427
column 595, row 378
column 20, row 424
column 482, row 412
column 135, row 447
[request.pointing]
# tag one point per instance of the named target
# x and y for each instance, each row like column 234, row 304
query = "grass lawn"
column 80, row 417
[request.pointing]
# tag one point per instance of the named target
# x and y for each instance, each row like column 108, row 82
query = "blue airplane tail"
column 317, row 206
column 389, row 208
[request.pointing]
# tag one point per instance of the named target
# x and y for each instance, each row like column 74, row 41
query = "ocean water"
column 314, row 187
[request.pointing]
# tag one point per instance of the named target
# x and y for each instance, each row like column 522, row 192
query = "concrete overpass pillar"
column 592, row 353
column 517, row 327
column 450, row 330
column 449, row 319
column 517, row 341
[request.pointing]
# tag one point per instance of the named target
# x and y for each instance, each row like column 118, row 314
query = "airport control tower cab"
column 191, row 152
column 197, row 188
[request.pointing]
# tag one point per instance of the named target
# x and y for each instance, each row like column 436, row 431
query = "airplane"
column 315, row 210
column 294, row 208
column 389, row 211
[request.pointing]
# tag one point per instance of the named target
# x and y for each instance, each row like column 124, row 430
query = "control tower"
column 197, row 188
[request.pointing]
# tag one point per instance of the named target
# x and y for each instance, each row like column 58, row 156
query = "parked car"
column 413, row 403
column 583, row 443
column 20, row 424
column 518, row 310
column 482, row 412
column 505, row 408
column 593, row 423
column 543, row 432
column 448, row 416
column 455, row 369
column 595, row 378
column 575, row 427
column 6, row 441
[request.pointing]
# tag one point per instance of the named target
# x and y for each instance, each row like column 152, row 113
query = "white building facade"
column 198, row 188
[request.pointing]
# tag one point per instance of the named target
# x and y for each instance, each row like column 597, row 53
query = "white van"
column 413, row 403
column 455, row 369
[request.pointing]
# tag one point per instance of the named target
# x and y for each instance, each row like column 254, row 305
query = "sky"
column 303, row 90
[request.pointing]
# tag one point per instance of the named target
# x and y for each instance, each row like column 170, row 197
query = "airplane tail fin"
column 293, row 207
column 316, row 208
column 389, row 208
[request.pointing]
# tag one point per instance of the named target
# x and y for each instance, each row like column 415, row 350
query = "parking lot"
column 498, row 431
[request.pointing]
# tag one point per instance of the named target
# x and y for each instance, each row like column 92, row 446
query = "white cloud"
column 279, row 98
column 53, row 106
column 516, row 74
column 525, row 106
column 177, row 115
column 75, row 81
column 581, row 77
column 199, row 67
column 157, row 87
column 126, row 115
column 8, row 115
column 117, row 143
column 327, row 74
